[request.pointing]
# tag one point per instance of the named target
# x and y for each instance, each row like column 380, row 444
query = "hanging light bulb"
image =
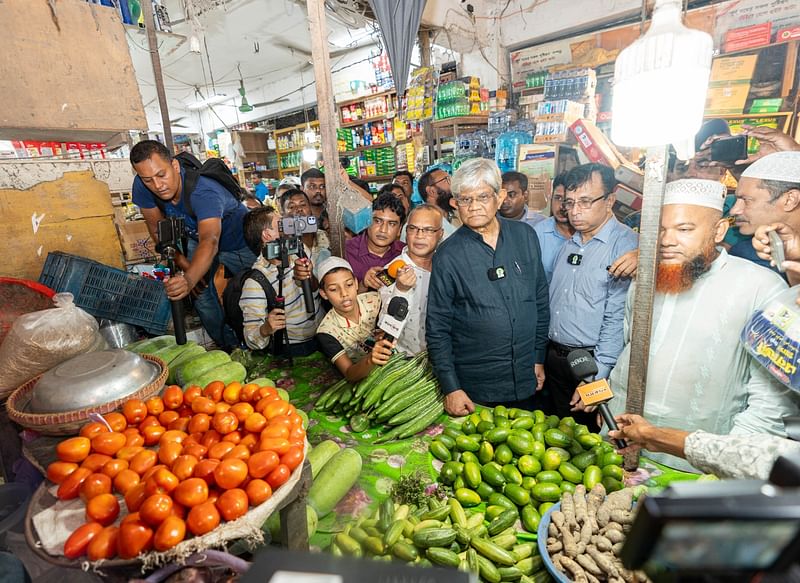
column 309, row 154
column 660, row 84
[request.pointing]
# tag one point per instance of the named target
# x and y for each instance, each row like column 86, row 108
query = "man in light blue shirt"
column 515, row 206
column 554, row 231
column 587, row 303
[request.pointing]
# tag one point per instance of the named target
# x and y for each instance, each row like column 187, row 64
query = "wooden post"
column 155, row 59
column 327, row 119
column 424, row 38
column 655, row 180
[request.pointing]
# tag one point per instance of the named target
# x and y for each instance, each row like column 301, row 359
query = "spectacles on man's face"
column 482, row 199
column 424, row 231
column 581, row 203
column 446, row 177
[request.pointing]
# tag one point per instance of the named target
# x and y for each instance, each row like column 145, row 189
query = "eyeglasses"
column 558, row 198
column 442, row 179
column 482, row 199
column 425, row 231
column 581, row 203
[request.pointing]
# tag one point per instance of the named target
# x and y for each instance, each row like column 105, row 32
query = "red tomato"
column 204, row 405
column 205, row 470
column 277, row 444
column 183, row 466
column 292, row 458
column 191, row 393
column 149, row 421
column 278, row 476
column 196, row 450
column 168, row 417
column 250, row 441
column 297, row 434
column 230, row 473
column 232, row 504
column 255, row 423
column 103, row 508
column 91, row 429
column 262, row 463
column 262, row 403
column 173, row 435
column 135, row 496
column 155, row 406
column 143, row 461
column 152, row 434
column 266, row 392
column 74, row 449
column 232, row 393
column 170, row 533
column 199, row 423
column 128, row 452
column 168, row 452
column 191, row 492
column 242, row 411
column 213, row 495
column 135, row 537
column 214, row 390
column 240, row 452
column 225, row 423
column 113, row 467
column 71, row 486
column 155, row 509
column 173, row 397
column 57, row 472
column 104, row 544
column 218, row 450
column 80, row 538
column 125, row 480
column 276, row 408
column 211, row 437
column 248, row 393
column 134, row 410
column 234, row 437
column 116, row 420
column 161, row 482
column 151, row 472
column 95, row 461
column 276, row 430
column 108, row 443
column 258, row 491
column 133, row 438
column 131, row 517
column 95, row 484
column 202, row 518
column 180, row 424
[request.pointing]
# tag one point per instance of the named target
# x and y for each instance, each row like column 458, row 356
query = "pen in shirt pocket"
column 516, row 266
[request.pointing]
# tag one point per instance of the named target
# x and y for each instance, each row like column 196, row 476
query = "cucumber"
column 321, row 455
column 190, row 353
column 506, row 519
column 434, row 537
column 334, row 481
column 200, row 365
column 227, row 373
column 359, row 423
column 442, row 557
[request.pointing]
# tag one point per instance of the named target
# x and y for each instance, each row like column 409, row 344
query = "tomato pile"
column 184, row 462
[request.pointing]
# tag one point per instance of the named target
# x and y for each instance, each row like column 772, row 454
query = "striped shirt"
column 300, row 325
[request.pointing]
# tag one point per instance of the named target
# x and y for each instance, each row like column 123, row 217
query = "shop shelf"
column 359, row 122
column 341, row 104
column 106, row 292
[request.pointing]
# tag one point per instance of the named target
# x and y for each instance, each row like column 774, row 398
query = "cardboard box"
column 594, row 144
column 136, row 242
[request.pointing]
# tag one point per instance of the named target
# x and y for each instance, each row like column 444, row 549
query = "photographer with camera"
column 265, row 322
column 213, row 215
column 295, row 203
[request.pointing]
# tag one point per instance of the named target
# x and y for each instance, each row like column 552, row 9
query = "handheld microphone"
column 584, row 368
column 394, row 320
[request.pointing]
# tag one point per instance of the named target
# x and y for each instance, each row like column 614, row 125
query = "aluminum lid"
column 90, row 380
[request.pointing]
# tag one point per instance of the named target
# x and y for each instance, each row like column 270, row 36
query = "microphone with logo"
column 594, row 393
column 394, row 320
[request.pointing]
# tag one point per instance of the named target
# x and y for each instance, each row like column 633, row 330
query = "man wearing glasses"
column 488, row 310
column 424, row 232
column 587, row 302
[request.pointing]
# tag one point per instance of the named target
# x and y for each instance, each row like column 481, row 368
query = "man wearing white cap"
column 700, row 376
column 768, row 193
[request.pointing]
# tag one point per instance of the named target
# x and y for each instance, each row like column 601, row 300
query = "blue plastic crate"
column 106, row 292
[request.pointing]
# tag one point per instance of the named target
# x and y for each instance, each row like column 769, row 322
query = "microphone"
column 394, row 320
column 584, row 368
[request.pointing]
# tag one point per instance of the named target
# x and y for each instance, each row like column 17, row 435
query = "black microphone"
column 584, row 368
column 394, row 320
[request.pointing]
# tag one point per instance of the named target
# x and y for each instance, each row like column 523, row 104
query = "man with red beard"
column 700, row 376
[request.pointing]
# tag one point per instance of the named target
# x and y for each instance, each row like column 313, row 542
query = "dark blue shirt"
column 485, row 332
column 210, row 200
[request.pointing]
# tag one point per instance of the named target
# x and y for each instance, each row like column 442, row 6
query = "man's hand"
column 458, row 404
column 178, row 286
column 382, row 352
column 632, row 429
column 371, row 280
column 303, row 269
column 406, row 278
column 790, row 238
column 577, row 403
column 625, row 265
column 276, row 320
column 538, row 370
column 769, row 141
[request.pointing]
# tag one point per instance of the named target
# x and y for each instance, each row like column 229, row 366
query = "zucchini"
column 187, row 355
column 321, row 455
column 200, row 365
column 170, row 353
column 227, row 373
column 334, row 481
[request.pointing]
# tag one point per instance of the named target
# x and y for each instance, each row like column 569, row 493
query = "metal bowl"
column 91, row 379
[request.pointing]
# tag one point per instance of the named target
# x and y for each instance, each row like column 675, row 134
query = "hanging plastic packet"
column 772, row 337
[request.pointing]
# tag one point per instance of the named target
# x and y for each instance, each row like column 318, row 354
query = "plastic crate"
column 106, row 292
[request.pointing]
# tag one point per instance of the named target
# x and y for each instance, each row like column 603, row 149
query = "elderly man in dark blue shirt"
column 488, row 307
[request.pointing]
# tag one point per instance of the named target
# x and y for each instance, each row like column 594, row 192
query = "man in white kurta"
column 699, row 375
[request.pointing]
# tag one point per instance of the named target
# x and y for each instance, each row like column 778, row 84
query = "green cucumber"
column 334, row 481
column 506, row 519
column 321, row 455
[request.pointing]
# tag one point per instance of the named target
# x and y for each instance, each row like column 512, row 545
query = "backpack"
column 233, row 292
column 213, row 168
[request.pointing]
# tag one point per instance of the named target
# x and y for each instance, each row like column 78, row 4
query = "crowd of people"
column 499, row 294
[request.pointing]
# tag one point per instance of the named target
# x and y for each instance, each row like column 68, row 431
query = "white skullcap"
column 783, row 166
column 331, row 263
column 707, row 193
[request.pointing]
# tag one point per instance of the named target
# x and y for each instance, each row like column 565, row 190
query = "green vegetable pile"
column 402, row 394
column 443, row 533
column 522, row 461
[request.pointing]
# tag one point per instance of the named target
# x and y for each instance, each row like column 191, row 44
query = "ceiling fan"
column 245, row 106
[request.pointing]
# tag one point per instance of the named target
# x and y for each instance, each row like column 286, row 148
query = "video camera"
column 171, row 241
column 719, row 531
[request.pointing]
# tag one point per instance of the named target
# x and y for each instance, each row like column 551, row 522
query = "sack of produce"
column 40, row 340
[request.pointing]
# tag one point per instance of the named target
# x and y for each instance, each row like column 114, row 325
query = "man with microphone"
column 488, row 306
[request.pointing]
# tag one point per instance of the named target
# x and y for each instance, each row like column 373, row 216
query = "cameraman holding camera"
column 295, row 203
column 213, row 223
column 262, row 317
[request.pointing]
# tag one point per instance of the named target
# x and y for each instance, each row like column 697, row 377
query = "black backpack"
column 213, row 168
column 233, row 292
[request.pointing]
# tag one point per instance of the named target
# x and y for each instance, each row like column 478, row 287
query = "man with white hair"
column 700, row 377
column 488, row 311
column 768, row 192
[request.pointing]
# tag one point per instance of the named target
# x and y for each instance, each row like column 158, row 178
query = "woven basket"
column 70, row 422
